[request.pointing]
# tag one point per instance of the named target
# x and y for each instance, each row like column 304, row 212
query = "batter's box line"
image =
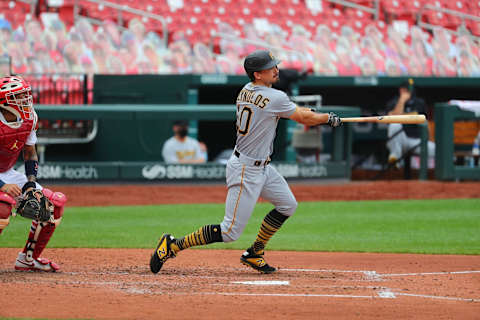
column 436, row 297
column 373, row 275
column 385, row 294
column 428, row 273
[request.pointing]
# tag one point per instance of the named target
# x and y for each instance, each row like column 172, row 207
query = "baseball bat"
column 406, row 119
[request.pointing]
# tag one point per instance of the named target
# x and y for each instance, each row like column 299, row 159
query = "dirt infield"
column 212, row 284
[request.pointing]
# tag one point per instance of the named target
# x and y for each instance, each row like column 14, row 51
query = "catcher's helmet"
column 258, row 61
column 16, row 97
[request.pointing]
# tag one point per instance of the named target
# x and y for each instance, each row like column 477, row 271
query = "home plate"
column 263, row 283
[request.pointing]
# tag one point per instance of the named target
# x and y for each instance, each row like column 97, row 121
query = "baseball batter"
column 249, row 175
column 18, row 124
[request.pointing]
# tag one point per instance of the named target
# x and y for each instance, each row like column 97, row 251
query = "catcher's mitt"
column 35, row 206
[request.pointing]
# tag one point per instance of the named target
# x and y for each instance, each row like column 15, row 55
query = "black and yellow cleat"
column 256, row 261
column 162, row 253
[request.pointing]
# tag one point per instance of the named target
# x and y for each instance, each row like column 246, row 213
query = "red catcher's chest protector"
column 12, row 141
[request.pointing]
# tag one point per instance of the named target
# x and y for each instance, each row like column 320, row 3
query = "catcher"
column 18, row 124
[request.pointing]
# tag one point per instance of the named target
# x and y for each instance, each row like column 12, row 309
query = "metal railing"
column 61, row 89
column 120, row 9
column 262, row 44
column 461, row 15
column 375, row 10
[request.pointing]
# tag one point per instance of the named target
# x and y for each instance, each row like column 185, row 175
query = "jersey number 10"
column 243, row 120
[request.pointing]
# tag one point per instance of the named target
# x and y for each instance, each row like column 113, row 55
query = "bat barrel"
column 405, row 119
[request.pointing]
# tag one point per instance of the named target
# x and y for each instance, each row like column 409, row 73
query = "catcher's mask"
column 16, row 97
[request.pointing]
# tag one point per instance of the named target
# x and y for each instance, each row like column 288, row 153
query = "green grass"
column 416, row 226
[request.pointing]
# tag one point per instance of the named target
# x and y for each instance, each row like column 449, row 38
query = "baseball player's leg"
column 205, row 235
column 243, row 191
column 7, row 202
column 6, row 205
column 415, row 142
column 276, row 191
column 168, row 246
column 396, row 141
column 244, row 186
column 39, row 236
column 242, row 196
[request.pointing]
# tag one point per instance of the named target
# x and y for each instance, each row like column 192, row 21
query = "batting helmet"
column 259, row 60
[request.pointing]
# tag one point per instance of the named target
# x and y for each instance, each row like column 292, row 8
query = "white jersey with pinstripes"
column 248, row 175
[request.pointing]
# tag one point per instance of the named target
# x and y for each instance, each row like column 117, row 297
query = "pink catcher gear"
column 16, row 97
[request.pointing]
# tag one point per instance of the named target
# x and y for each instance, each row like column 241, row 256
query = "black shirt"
column 413, row 104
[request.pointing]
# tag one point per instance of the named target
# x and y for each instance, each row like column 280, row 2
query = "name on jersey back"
column 249, row 96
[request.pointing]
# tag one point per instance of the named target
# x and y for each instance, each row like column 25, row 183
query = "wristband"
column 29, row 184
column 31, row 168
column 2, row 183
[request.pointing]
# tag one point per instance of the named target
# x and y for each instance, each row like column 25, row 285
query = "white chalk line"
column 428, row 273
column 383, row 293
column 371, row 274
column 386, row 294
column 436, row 297
column 374, row 274
column 325, row 270
column 166, row 283
column 285, row 295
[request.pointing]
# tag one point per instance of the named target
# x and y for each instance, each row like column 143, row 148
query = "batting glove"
column 334, row 120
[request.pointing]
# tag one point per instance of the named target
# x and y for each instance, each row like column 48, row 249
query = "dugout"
column 129, row 140
column 370, row 94
column 213, row 91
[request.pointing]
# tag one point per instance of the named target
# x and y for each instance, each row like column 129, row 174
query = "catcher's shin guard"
column 256, row 261
column 162, row 253
column 38, row 239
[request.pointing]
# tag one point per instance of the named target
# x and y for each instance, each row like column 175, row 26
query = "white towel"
column 467, row 105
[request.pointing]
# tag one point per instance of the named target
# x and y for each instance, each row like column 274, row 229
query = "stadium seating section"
column 213, row 36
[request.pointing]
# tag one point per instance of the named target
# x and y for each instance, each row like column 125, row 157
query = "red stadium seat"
column 474, row 7
column 66, row 15
column 457, row 5
column 335, row 24
column 393, row 7
column 474, row 27
column 412, row 6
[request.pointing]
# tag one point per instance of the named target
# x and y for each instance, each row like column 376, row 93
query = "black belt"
column 257, row 163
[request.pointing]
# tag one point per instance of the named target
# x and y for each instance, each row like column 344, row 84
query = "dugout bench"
column 445, row 168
